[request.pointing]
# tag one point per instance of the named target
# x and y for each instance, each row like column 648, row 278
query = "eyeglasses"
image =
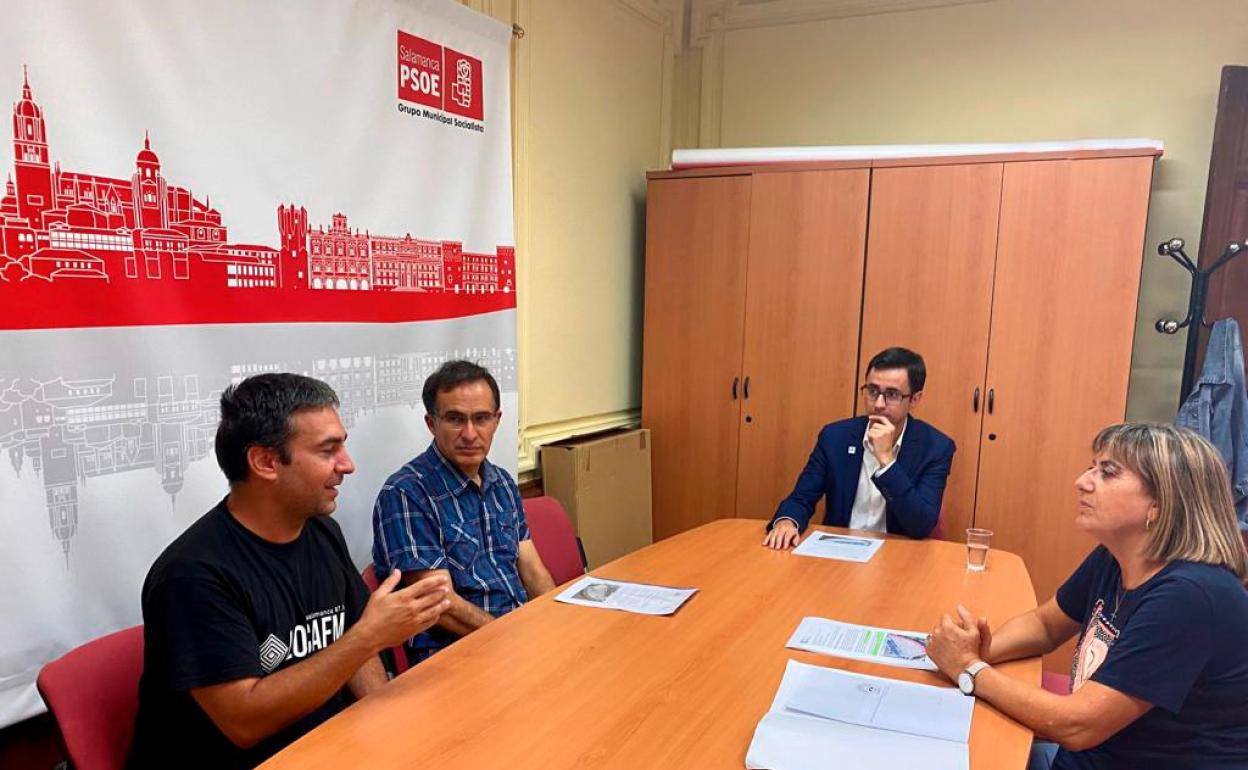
column 459, row 420
column 871, row 393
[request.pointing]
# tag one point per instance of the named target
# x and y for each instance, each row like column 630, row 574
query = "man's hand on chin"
column 882, row 437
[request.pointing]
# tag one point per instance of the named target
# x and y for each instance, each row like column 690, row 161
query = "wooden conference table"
column 554, row 685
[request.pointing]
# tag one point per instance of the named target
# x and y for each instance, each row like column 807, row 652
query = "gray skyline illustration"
column 111, row 407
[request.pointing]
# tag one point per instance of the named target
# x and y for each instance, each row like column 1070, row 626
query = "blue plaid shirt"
column 429, row 515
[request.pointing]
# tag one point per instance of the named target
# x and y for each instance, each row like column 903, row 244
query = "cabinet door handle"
column 990, row 399
column 975, row 401
column 735, row 380
column 747, row 386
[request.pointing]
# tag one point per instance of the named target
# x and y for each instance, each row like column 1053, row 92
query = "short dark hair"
column 451, row 375
column 902, row 358
column 257, row 412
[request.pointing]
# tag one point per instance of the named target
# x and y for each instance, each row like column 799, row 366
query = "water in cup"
column 976, row 557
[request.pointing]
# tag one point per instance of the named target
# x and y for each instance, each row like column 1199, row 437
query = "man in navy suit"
column 884, row 471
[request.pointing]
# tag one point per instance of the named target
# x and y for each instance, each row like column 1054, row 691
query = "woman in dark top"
column 1160, row 675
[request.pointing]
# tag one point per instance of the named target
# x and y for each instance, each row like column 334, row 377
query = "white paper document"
column 822, row 714
column 907, row 649
column 592, row 591
column 887, row 704
column 826, row 545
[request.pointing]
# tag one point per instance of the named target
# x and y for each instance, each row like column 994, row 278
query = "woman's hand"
column 956, row 643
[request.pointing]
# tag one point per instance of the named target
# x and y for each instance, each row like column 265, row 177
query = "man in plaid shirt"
column 451, row 511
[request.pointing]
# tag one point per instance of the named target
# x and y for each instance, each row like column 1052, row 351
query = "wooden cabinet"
column 1064, row 306
column 753, row 299
column 1018, row 284
column 807, row 231
column 932, row 251
column 1016, row 277
column 696, row 243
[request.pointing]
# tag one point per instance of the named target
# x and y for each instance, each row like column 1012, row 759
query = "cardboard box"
column 603, row 482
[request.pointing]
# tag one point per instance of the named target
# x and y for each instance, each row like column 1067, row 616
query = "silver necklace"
column 1122, row 590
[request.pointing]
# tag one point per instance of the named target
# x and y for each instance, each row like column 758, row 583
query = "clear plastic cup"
column 977, row 543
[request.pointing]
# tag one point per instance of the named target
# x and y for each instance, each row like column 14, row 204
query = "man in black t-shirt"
column 257, row 626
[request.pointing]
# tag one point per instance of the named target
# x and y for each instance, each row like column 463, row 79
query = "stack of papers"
column 591, row 591
column 826, row 545
column 907, row 649
column 820, row 714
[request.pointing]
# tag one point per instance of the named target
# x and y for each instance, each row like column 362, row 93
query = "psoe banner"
column 201, row 191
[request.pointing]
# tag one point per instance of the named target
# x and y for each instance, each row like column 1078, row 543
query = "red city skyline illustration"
column 80, row 249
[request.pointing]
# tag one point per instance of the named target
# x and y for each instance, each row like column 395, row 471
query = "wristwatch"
column 966, row 680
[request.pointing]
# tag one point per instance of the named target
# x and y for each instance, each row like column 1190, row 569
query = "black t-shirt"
column 1178, row 641
column 222, row 604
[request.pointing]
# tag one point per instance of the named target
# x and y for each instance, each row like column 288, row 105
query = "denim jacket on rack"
column 1217, row 408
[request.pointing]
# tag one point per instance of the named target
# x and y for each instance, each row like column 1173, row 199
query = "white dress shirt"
column 869, row 510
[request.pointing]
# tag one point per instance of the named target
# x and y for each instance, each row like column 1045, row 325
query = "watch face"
column 966, row 683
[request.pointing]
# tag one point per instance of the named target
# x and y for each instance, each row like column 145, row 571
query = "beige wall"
column 592, row 90
column 1006, row 70
column 602, row 86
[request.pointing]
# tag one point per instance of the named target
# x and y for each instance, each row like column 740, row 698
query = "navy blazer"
column 913, row 486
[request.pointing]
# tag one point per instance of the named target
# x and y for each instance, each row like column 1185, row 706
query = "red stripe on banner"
column 148, row 303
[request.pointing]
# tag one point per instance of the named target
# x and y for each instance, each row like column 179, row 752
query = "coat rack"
column 1173, row 248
